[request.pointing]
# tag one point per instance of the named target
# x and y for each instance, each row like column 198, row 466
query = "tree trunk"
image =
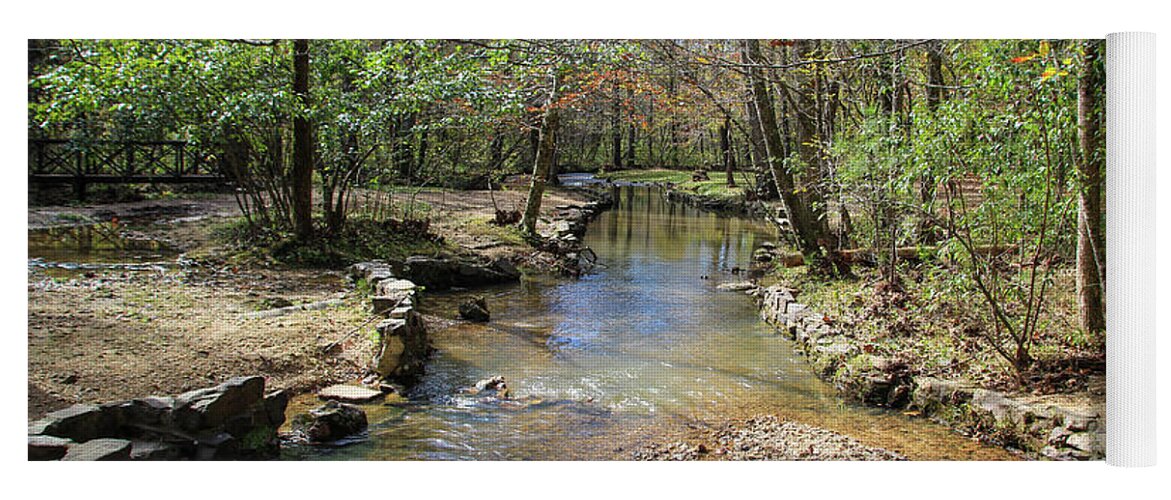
column 302, row 145
column 766, row 187
column 616, row 132
column 1091, row 254
column 421, row 154
column 726, row 149
column 496, row 152
column 552, row 177
column 630, row 138
column 404, row 154
column 813, row 236
column 546, row 147
column 927, row 179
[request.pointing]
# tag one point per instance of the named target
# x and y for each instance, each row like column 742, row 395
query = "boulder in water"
column 475, row 309
column 331, row 422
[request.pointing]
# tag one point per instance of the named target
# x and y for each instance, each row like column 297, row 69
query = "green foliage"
column 949, row 147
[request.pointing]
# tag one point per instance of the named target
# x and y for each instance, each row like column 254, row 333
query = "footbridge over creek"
column 82, row 163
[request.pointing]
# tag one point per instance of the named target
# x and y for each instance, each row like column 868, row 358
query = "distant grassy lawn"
column 715, row 188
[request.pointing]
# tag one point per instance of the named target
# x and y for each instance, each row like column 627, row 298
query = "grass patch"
column 716, row 188
column 482, row 226
column 651, row 175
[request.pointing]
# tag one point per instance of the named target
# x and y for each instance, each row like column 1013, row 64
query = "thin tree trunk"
column 421, row 155
column 616, row 132
column 927, row 180
column 726, row 149
column 766, row 186
column 630, row 138
column 1091, row 255
column 302, row 145
column 546, row 148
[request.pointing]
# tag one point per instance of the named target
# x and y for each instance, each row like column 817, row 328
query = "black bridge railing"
column 62, row 161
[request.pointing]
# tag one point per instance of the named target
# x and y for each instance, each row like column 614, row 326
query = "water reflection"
column 92, row 243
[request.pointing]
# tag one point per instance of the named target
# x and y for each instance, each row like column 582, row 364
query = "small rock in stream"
column 736, row 286
column 496, row 384
column 348, row 393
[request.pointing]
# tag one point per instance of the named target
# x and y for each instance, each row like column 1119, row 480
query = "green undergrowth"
column 940, row 326
column 361, row 239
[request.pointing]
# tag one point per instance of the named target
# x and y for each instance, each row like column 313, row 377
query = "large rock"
column 349, row 393
column 402, row 349
column 878, row 381
column 151, row 410
column 230, row 421
column 218, row 445
column 475, row 309
column 394, row 287
column 371, row 272
column 79, row 422
column 212, row 406
column 331, row 422
column 274, row 406
column 444, row 273
column 42, row 447
column 100, row 449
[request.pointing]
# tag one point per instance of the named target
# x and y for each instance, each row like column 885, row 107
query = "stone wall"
column 562, row 238
column 1045, row 429
column 402, row 349
column 233, row 420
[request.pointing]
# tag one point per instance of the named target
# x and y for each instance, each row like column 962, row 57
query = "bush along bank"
column 1044, row 430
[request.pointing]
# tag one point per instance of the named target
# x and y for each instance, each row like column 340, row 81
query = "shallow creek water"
column 635, row 351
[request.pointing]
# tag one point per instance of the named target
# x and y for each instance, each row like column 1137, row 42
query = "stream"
column 599, row 365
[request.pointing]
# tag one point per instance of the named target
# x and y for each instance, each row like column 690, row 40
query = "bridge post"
column 180, row 159
column 79, row 183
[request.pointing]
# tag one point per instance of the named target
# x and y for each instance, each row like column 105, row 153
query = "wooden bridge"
column 62, row 161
